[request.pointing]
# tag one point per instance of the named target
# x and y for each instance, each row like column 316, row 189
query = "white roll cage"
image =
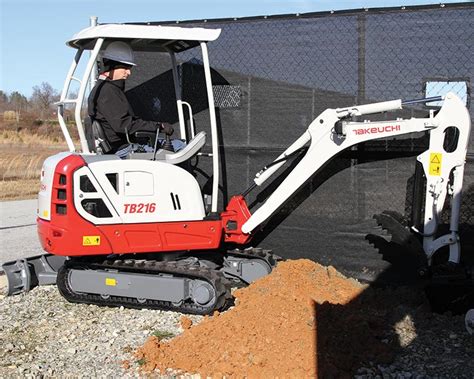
column 153, row 38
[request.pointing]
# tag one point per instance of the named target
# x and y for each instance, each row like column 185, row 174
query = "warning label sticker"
column 90, row 240
column 435, row 164
column 110, row 282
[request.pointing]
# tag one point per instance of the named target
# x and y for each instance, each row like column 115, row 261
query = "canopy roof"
column 145, row 37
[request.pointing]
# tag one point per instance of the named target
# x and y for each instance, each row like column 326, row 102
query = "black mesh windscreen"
column 272, row 76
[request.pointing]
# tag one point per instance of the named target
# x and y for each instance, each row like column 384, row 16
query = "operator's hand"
column 167, row 128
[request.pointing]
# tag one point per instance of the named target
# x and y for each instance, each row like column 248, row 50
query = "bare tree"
column 18, row 103
column 3, row 101
column 43, row 98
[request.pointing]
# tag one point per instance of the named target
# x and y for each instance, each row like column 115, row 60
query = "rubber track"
column 213, row 277
column 252, row 254
column 256, row 253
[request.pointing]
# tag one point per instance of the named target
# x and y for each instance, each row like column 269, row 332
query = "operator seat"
column 97, row 143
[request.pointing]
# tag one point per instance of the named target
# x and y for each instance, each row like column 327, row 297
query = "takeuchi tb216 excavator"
column 138, row 232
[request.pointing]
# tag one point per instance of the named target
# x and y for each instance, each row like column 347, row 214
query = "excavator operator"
column 108, row 105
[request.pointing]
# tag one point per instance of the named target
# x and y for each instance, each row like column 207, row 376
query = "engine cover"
column 96, row 205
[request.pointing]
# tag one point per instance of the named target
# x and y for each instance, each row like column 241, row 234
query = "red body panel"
column 169, row 236
column 63, row 234
column 69, row 234
column 237, row 213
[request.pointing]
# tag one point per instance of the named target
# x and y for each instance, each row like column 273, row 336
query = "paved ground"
column 18, row 237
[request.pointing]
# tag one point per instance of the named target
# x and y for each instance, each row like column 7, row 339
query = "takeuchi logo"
column 378, row 129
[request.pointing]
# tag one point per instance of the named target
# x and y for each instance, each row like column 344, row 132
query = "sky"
column 33, row 32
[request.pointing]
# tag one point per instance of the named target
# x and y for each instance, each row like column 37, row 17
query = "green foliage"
column 162, row 334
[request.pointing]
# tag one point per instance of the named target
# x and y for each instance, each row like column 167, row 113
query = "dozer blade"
column 26, row 273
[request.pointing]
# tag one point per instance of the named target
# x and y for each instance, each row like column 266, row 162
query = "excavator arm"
column 331, row 133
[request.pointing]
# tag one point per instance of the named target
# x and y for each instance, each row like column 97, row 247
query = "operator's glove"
column 166, row 128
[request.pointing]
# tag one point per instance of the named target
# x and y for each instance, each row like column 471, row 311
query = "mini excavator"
column 140, row 233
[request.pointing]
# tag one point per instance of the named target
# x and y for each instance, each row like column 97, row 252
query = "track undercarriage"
column 195, row 284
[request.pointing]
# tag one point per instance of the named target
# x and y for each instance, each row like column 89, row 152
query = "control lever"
column 167, row 145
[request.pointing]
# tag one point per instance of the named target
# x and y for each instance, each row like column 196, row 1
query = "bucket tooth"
column 393, row 224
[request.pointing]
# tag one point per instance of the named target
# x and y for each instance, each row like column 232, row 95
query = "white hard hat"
column 119, row 52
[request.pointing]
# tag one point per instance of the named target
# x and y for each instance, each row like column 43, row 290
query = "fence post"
column 358, row 180
column 361, row 58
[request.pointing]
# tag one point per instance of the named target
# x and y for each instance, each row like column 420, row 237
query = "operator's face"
column 120, row 73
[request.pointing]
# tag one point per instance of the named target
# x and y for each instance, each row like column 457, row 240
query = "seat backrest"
column 89, row 134
column 95, row 136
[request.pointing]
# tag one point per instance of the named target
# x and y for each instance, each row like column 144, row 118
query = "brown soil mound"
column 296, row 322
column 185, row 322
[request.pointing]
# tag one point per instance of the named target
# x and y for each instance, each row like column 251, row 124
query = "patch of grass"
column 24, row 137
column 20, row 169
column 141, row 361
column 19, row 189
column 162, row 334
column 23, row 148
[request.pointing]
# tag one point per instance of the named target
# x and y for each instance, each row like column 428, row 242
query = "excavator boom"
column 331, row 133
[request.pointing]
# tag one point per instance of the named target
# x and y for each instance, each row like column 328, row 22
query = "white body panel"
column 147, row 191
column 46, row 186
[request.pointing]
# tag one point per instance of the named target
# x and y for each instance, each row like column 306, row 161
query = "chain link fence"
column 273, row 75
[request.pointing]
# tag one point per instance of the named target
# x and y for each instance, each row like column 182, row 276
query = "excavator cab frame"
column 144, row 38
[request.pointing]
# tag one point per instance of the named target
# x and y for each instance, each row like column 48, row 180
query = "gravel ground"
column 431, row 346
column 42, row 335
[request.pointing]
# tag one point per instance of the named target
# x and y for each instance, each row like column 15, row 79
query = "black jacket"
column 108, row 105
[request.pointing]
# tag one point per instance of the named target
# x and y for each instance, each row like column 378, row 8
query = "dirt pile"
column 296, row 322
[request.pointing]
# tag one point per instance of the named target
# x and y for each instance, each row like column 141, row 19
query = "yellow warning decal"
column 45, row 213
column 110, row 282
column 435, row 164
column 90, row 240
